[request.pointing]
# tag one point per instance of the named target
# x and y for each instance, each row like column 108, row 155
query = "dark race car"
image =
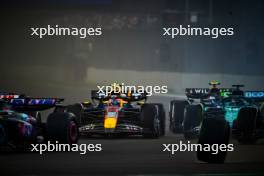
column 186, row 115
column 240, row 116
column 122, row 114
column 21, row 124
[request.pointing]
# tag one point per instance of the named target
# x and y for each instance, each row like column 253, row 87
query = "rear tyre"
column 177, row 115
column 162, row 118
column 246, row 125
column 62, row 127
column 150, row 121
column 214, row 131
column 192, row 118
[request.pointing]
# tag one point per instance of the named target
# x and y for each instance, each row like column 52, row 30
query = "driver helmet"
column 114, row 102
column 116, row 89
column 214, row 89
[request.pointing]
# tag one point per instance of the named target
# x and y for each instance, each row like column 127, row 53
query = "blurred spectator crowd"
column 111, row 21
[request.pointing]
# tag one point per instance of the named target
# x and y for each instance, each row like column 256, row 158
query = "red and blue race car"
column 120, row 114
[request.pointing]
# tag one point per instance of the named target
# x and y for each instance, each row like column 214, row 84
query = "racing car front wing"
column 98, row 128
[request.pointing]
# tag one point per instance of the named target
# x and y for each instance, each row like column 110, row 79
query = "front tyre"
column 214, row 131
column 150, row 121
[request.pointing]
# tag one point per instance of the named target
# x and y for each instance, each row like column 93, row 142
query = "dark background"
column 131, row 49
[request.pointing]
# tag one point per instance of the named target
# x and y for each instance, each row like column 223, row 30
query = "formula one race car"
column 118, row 113
column 21, row 124
column 186, row 115
column 240, row 115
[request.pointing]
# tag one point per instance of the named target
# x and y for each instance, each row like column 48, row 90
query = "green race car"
column 186, row 115
column 240, row 115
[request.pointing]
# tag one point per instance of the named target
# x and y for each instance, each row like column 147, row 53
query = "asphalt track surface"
column 133, row 156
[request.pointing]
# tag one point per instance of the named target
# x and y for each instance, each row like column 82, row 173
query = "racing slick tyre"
column 246, row 125
column 76, row 109
column 62, row 127
column 3, row 136
column 192, row 118
column 162, row 118
column 177, row 115
column 214, row 131
column 150, row 121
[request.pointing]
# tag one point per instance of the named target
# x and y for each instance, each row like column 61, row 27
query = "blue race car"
column 21, row 125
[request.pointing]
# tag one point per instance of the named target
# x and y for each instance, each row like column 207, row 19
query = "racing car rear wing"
column 22, row 102
column 198, row 93
column 34, row 104
column 133, row 96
